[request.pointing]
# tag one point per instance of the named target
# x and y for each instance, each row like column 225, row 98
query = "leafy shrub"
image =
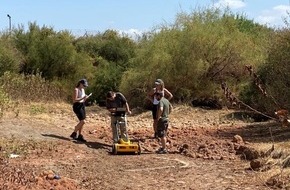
column 52, row 54
column 195, row 54
column 110, row 53
column 9, row 57
column 274, row 75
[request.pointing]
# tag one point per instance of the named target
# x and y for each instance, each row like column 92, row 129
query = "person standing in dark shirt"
column 160, row 88
column 115, row 102
column 163, row 111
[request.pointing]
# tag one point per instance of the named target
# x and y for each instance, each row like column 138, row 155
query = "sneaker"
column 73, row 135
column 161, row 151
column 81, row 138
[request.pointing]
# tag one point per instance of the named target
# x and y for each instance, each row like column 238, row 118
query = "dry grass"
column 276, row 171
column 41, row 110
column 29, row 94
column 16, row 146
column 44, row 107
column 31, row 88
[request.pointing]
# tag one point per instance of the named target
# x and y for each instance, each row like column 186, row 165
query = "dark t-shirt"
column 118, row 102
column 166, row 107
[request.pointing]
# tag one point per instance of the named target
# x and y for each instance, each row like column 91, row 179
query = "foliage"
column 111, row 54
column 193, row 56
column 4, row 101
column 30, row 88
column 197, row 53
column 37, row 109
column 136, row 95
column 51, row 53
column 274, row 75
column 9, row 57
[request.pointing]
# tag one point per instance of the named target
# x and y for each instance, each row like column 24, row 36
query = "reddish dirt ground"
column 37, row 153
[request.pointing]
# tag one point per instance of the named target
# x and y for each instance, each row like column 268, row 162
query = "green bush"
column 274, row 75
column 195, row 54
column 9, row 57
column 111, row 54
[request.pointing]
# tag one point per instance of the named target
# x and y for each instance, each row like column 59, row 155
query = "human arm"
column 124, row 102
column 170, row 108
column 150, row 95
column 168, row 94
column 76, row 94
column 128, row 108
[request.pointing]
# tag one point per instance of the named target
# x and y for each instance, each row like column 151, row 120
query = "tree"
column 196, row 53
column 10, row 57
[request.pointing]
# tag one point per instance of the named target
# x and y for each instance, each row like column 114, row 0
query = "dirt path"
column 201, row 154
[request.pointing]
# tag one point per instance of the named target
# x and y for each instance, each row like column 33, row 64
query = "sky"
column 129, row 16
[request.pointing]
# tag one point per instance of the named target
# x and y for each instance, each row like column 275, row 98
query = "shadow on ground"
column 56, row 136
column 247, row 116
column 258, row 132
column 97, row 145
column 90, row 144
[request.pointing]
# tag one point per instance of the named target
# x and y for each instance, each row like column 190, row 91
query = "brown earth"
column 204, row 151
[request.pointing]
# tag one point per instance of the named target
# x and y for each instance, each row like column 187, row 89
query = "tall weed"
column 4, row 101
column 30, row 88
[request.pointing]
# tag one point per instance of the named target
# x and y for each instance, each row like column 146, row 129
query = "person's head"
column 158, row 95
column 159, row 84
column 111, row 95
column 83, row 82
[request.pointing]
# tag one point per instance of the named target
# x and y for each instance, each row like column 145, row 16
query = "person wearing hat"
column 159, row 88
column 164, row 108
column 79, row 98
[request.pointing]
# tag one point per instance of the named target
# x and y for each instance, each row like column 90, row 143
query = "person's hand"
column 86, row 97
column 129, row 112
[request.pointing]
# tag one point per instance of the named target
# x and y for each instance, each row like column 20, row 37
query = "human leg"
column 163, row 142
column 82, row 118
column 79, row 109
column 162, row 127
column 123, row 128
column 155, row 120
column 114, row 129
column 79, row 129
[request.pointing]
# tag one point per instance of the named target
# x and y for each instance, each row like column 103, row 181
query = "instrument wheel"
column 114, row 149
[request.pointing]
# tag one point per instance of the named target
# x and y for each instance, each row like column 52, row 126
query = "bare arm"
column 75, row 96
column 128, row 108
column 166, row 92
column 150, row 95
column 170, row 108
